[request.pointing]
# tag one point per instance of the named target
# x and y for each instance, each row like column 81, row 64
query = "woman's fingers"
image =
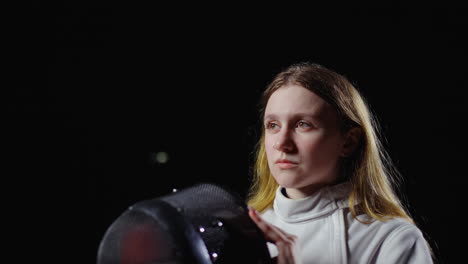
column 272, row 233
column 284, row 254
column 287, row 244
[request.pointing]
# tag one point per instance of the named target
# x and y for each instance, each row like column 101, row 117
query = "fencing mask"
column 202, row 224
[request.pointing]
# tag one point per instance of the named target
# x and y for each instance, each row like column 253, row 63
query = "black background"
column 117, row 82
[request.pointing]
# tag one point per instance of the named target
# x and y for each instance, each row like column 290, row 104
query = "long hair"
column 369, row 169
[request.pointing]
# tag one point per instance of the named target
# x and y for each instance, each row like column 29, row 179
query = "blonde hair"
column 369, row 169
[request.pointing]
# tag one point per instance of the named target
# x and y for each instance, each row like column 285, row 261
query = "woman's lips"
column 286, row 164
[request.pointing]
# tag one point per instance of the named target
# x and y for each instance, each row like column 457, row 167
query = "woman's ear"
column 352, row 139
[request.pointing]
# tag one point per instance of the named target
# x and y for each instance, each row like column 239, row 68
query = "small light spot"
column 160, row 157
column 202, row 229
column 214, row 255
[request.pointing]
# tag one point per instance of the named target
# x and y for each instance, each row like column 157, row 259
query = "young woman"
column 322, row 189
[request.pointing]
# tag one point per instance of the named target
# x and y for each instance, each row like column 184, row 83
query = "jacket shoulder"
column 396, row 240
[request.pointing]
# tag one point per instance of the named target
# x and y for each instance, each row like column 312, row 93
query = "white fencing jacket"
column 328, row 233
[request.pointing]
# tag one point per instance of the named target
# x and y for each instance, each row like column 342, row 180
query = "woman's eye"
column 271, row 126
column 302, row 124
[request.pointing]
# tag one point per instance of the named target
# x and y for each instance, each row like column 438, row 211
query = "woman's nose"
column 284, row 142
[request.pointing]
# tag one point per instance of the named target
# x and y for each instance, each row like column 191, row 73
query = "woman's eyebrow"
column 296, row 115
column 312, row 115
column 270, row 116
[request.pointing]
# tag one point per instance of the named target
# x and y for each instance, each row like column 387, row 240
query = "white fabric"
column 329, row 234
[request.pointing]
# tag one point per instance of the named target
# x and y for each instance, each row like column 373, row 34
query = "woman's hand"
column 287, row 244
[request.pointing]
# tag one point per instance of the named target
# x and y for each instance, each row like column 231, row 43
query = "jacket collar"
column 320, row 204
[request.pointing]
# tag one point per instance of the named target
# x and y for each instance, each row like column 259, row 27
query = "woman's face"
column 303, row 140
